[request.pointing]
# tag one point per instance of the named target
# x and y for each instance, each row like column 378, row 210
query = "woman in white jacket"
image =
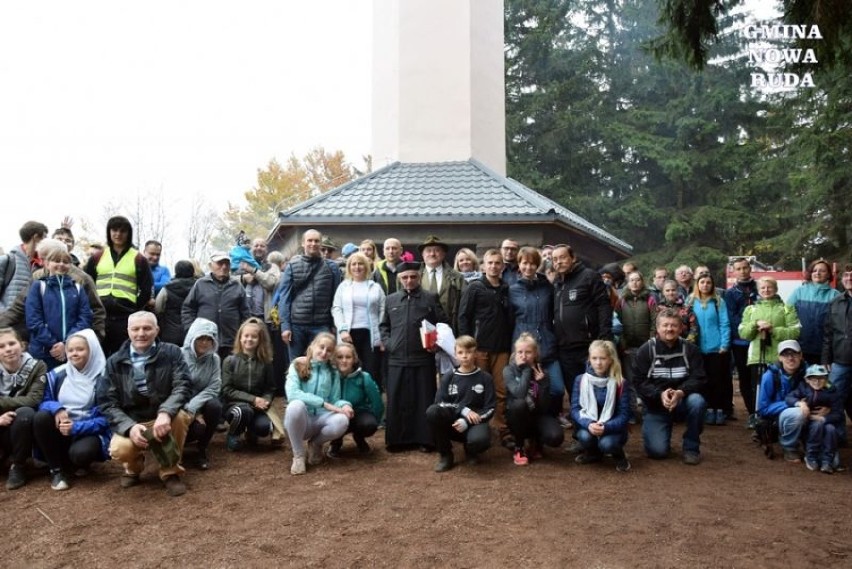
column 358, row 308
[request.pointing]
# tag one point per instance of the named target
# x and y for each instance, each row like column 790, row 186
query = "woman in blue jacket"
column 69, row 427
column 811, row 301
column 531, row 308
column 714, row 340
column 56, row 307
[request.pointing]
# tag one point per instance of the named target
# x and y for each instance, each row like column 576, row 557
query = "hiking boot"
column 58, row 480
column 445, row 463
column 520, row 457
column 811, row 464
column 622, row 464
column 17, row 477
column 201, row 460
column 827, row 468
column 315, row 455
column 792, row 456
column 233, row 443
column 588, row 458
column 298, row 466
column 129, row 480
column 710, row 417
column 174, row 486
column 363, row 446
column 691, row 458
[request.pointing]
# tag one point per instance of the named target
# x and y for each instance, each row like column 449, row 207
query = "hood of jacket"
column 200, row 327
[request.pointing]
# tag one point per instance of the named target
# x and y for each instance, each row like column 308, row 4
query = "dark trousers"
column 242, row 417
column 17, row 438
column 364, row 424
column 116, row 333
column 476, row 439
column 744, row 376
column 61, row 451
column 212, row 412
column 539, row 428
column 719, row 391
column 370, row 357
column 280, row 359
column 572, row 363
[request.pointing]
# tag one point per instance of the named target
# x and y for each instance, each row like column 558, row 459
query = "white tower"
column 438, row 82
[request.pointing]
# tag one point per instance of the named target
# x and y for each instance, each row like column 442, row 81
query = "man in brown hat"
column 410, row 380
column 439, row 277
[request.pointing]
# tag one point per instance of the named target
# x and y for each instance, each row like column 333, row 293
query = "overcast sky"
column 102, row 98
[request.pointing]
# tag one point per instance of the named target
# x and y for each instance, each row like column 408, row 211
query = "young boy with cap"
column 820, row 403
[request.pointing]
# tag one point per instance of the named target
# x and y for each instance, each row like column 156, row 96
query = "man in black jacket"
column 484, row 314
column 146, row 384
column 411, row 367
column 670, row 379
column 837, row 344
column 582, row 312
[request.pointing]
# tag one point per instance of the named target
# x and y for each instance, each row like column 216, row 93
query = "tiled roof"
column 438, row 192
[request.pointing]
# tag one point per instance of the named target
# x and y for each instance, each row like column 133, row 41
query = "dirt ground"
column 736, row 509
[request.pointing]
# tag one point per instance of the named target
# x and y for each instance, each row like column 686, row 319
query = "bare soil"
column 736, row 509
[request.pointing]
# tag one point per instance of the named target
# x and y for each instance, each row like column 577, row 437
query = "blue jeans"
column 657, row 427
column 607, row 444
column 839, row 377
column 301, row 338
column 790, row 423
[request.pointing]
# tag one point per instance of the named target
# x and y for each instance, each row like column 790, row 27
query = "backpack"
column 666, row 357
column 7, row 269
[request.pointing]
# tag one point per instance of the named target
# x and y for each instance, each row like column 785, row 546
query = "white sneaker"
column 315, row 454
column 298, row 466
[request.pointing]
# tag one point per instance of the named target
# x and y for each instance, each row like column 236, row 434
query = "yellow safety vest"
column 118, row 281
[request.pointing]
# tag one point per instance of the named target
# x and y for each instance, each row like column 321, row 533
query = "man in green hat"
column 439, row 277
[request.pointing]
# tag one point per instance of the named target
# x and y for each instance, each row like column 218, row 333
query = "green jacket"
column 363, row 393
column 29, row 382
column 452, row 286
column 785, row 326
column 244, row 378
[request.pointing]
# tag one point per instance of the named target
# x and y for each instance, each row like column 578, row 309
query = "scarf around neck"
column 588, row 401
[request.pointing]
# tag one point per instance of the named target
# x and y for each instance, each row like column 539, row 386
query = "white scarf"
column 77, row 393
column 588, row 401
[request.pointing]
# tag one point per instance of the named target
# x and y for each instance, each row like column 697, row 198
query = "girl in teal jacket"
column 315, row 413
column 362, row 393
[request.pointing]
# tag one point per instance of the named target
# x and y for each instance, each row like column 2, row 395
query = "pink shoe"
column 520, row 458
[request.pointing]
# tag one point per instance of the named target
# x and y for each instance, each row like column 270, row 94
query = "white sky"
column 100, row 98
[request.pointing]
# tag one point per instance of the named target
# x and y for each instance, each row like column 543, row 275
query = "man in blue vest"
column 123, row 279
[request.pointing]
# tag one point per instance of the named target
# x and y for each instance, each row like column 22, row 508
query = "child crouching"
column 463, row 406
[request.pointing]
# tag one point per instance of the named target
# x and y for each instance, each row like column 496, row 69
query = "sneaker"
column 233, row 443
column 710, row 417
column 201, row 460
column 792, row 456
column 298, row 466
column 333, row 451
column 174, row 486
column 827, row 469
column 445, row 463
column 622, row 464
column 58, row 481
column 17, row 477
column 811, row 464
column 752, row 421
column 363, row 446
column 315, row 455
column 588, row 458
column 520, row 457
column 691, row 458
column 575, row 447
column 721, row 418
column 129, row 480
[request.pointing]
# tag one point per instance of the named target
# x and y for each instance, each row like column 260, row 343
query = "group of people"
column 116, row 358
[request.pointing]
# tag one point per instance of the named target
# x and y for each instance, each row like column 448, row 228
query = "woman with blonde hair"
column 358, row 308
column 467, row 264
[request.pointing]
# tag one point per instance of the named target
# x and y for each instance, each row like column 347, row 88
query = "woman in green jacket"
column 766, row 324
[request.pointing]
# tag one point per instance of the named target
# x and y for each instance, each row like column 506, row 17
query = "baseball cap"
column 789, row 345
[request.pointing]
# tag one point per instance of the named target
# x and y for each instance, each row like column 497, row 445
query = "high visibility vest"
column 118, row 281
